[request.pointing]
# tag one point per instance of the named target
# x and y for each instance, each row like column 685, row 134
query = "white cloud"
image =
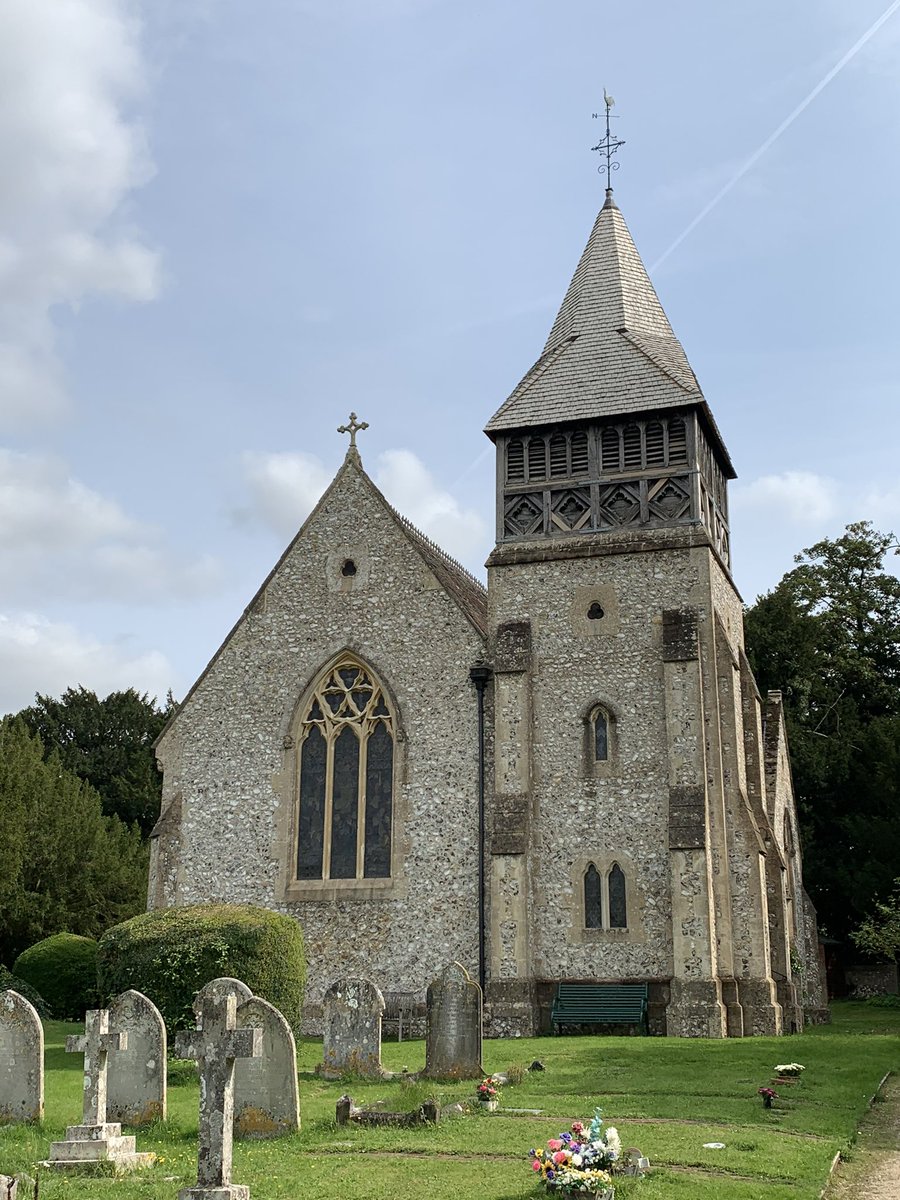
column 285, row 487
column 410, row 487
column 59, row 538
column 800, row 497
column 37, row 655
column 69, row 69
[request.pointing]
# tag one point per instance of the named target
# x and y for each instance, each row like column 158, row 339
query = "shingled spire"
column 611, row 350
column 609, row 429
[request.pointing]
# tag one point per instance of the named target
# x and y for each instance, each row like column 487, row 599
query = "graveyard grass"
column 667, row 1096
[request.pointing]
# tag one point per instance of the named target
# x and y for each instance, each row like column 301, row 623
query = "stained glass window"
column 346, row 769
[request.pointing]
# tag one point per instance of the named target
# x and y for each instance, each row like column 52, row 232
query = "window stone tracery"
column 345, row 784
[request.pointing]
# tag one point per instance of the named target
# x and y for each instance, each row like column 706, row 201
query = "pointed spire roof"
column 611, row 350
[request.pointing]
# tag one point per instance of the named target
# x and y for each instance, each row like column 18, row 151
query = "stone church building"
column 567, row 776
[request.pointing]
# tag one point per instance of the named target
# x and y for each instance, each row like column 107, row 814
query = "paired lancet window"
column 346, row 772
column 605, row 903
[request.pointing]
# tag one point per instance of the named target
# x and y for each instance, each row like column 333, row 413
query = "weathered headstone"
column 352, row 1041
column 96, row 1139
column 215, row 1044
column 9, row 1188
column 21, row 1060
column 136, row 1076
column 453, row 1026
column 266, row 1101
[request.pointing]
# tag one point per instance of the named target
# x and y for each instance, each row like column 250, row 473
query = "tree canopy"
column 109, row 744
column 829, row 637
column 65, row 866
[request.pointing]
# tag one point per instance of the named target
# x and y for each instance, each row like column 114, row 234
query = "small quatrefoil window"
column 595, row 612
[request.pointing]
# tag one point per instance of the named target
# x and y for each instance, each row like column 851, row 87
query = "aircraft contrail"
column 785, row 124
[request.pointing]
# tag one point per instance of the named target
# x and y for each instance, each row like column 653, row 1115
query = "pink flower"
column 560, row 1156
column 535, row 1166
column 554, row 1144
column 577, row 1127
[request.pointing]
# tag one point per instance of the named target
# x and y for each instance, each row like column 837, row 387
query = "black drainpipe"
column 480, row 674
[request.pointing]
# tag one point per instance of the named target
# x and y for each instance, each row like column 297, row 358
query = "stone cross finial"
column 215, row 1044
column 353, row 428
column 95, row 1044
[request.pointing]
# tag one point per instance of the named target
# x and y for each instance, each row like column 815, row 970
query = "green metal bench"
column 600, row 1004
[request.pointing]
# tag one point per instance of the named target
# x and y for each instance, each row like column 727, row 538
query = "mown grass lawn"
column 665, row 1095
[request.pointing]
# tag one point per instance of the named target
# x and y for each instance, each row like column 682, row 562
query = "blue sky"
column 225, row 225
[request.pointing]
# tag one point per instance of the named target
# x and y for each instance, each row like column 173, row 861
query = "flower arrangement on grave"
column 789, row 1070
column 488, row 1092
column 581, row 1161
column 768, row 1095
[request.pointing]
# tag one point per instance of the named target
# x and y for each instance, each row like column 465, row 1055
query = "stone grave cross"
column 95, row 1044
column 96, row 1140
column 215, row 1044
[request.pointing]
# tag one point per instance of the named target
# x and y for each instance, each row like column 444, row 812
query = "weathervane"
column 353, row 428
column 608, row 145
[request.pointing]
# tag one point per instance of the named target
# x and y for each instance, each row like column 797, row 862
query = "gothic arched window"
column 618, row 916
column 605, row 902
column 346, row 761
column 593, row 910
column 600, row 734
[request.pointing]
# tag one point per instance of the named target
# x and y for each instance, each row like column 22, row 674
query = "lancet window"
column 605, row 898
column 346, row 771
column 600, row 734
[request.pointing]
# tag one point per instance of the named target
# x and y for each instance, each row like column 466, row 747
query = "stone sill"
column 317, row 891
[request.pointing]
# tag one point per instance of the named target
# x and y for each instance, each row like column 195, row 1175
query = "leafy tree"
column 108, row 743
column 879, row 935
column 829, row 637
column 65, row 866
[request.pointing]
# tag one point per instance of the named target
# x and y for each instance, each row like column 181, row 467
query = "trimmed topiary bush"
column 62, row 969
column 170, row 953
column 9, row 981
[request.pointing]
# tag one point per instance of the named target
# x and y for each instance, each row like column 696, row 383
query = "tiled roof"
column 463, row 587
column 611, row 350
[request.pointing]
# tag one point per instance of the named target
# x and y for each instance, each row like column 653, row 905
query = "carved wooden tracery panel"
column 346, row 767
column 658, row 470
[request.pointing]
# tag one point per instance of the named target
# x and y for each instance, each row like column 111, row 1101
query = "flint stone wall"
column 228, row 770
column 628, row 809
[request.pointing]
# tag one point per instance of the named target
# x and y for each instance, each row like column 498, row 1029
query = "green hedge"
column 170, row 953
column 8, row 982
column 62, row 969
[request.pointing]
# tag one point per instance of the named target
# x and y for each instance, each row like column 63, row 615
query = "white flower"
column 613, row 1142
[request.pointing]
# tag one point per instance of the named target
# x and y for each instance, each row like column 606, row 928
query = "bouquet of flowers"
column 488, row 1090
column 579, row 1162
column 789, row 1070
column 768, row 1094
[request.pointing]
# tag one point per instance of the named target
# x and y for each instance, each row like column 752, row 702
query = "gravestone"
column 266, row 1101
column 21, row 1060
column 96, row 1139
column 216, row 1043
column 352, row 1041
column 453, row 1026
column 136, row 1076
column 9, row 1188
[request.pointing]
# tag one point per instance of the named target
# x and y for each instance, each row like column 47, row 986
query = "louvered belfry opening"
column 655, row 471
